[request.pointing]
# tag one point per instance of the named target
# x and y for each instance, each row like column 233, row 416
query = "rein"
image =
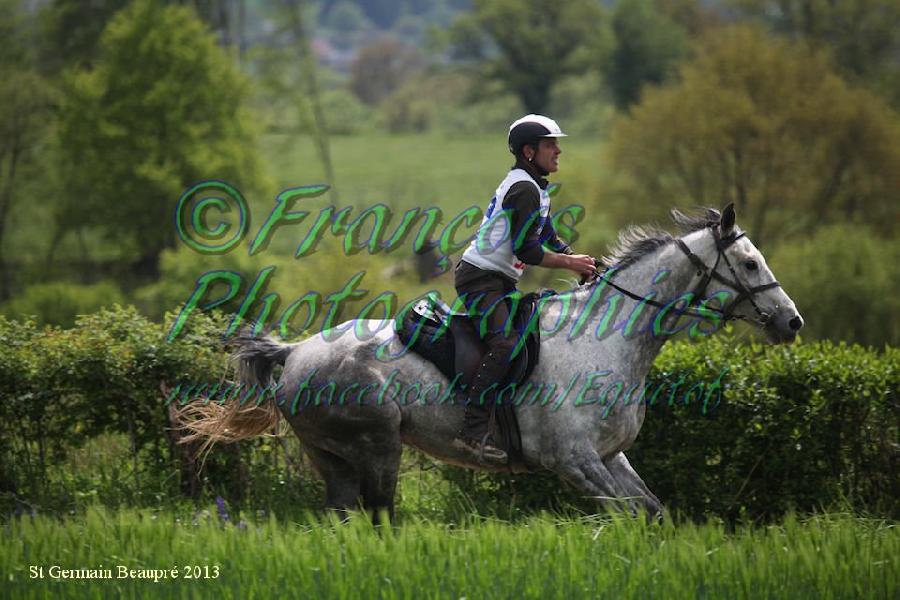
column 727, row 314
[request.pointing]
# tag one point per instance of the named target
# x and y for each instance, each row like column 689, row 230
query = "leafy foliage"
column 26, row 101
column 63, row 386
column 72, row 30
column 796, row 428
column 537, row 43
column 381, row 67
column 764, row 123
column 801, row 427
column 25, row 104
column 844, row 281
column 162, row 109
column 58, row 303
column 862, row 35
column 648, row 46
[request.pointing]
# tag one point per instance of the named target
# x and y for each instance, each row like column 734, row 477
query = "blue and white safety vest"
column 492, row 248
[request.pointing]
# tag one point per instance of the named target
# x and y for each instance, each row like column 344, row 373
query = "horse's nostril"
column 795, row 324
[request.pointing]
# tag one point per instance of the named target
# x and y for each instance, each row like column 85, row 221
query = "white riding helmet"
column 529, row 129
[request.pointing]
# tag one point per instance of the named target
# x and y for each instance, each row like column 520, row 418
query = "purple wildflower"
column 220, row 508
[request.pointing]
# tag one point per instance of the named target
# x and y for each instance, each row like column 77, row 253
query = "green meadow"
column 544, row 556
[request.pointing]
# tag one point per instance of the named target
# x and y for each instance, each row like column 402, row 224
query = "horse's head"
column 756, row 296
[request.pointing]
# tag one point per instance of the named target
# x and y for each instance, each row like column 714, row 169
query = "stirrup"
column 488, row 444
column 486, row 453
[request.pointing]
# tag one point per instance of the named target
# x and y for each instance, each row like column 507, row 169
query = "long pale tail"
column 249, row 412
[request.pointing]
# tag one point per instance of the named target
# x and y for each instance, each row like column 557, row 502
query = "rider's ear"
column 726, row 225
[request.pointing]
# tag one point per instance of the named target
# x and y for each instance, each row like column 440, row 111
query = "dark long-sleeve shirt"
column 524, row 202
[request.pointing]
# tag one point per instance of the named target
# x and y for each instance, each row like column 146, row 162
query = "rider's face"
column 547, row 156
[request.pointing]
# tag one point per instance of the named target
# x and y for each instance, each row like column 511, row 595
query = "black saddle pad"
column 435, row 333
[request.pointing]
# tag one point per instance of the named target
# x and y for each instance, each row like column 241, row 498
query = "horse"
column 355, row 439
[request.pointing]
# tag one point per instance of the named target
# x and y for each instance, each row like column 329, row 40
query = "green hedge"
column 62, row 387
column 801, row 426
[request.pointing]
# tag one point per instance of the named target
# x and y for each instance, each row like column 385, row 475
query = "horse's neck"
column 619, row 328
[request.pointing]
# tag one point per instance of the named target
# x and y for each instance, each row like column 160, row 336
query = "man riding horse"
column 710, row 272
column 515, row 228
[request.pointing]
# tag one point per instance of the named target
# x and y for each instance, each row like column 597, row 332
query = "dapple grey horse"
column 354, row 400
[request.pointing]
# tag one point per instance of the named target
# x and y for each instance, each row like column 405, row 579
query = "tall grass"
column 831, row 556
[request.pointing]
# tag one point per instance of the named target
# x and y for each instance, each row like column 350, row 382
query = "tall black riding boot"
column 475, row 437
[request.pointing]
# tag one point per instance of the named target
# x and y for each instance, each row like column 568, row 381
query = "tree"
column 72, row 29
column 163, row 108
column 26, row 99
column 316, row 114
column 381, row 67
column 862, row 35
column 25, row 102
column 765, row 123
column 345, row 17
column 694, row 16
column 648, row 47
column 536, row 43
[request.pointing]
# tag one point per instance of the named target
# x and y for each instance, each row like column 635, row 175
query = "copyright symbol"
column 191, row 222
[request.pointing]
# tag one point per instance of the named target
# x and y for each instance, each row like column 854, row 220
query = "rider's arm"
column 554, row 260
column 553, row 242
column 524, row 202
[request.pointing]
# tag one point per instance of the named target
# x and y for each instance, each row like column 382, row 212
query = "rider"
column 493, row 263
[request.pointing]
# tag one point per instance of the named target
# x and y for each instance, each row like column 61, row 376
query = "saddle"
column 451, row 341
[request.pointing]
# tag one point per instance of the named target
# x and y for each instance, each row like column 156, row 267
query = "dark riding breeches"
column 483, row 292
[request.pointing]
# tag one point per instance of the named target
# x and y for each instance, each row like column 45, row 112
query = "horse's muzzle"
column 783, row 328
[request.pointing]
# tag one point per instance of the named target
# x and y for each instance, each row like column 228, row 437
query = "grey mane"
column 637, row 241
column 634, row 243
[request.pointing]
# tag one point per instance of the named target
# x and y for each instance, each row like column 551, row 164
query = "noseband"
column 707, row 274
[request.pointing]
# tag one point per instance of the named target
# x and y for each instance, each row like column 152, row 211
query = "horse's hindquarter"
column 352, row 387
column 328, row 393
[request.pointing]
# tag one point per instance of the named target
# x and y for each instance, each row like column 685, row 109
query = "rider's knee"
column 502, row 347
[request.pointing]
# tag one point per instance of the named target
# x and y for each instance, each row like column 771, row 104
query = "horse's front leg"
column 587, row 472
column 632, row 483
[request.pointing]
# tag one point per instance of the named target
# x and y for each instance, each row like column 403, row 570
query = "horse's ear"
column 726, row 224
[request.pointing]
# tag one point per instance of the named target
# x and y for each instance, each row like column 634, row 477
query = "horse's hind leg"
column 343, row 482
column 379, row 477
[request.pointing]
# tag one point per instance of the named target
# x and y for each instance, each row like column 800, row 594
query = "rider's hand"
column 582, row 265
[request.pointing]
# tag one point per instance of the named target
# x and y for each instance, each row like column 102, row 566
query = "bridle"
column 696, row 307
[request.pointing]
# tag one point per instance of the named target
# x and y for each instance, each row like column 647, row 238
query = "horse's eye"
column 751, row 265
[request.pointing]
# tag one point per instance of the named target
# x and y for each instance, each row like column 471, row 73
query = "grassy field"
column 835, row 556
column 418, row 170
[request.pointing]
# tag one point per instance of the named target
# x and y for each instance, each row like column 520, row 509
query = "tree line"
column 109, row 110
